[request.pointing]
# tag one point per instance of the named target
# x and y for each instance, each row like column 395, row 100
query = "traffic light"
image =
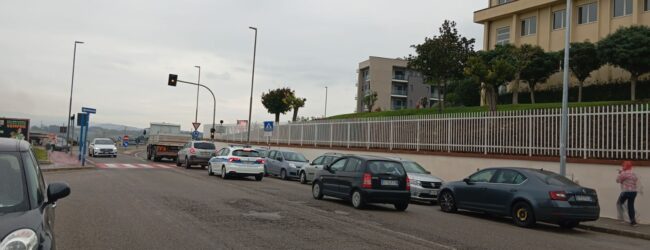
column 212, row 130
column 172, row 80
column 144, row 132
column 72, row 117
column 221, row 122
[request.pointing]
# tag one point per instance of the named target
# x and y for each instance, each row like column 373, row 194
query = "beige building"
column 396, row 86
column 543, row 22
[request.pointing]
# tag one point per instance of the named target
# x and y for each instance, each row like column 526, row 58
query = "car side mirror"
column 467, row 180
column 56, row 191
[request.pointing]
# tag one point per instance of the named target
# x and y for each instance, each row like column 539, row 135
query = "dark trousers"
column 629, row 197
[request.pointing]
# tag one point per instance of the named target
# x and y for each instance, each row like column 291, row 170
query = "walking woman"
column 628, row 181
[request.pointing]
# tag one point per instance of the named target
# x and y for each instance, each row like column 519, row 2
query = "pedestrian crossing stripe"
column 132, row 166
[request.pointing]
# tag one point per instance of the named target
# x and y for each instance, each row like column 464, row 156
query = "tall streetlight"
column 250, row 107
column 325, row 101
column 565, row 90
column 196, row 115
column 74, row 58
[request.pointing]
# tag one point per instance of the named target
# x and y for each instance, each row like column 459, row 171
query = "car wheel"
column 401, row 206
column 357, row 200
column 178, row 163
column 114, row 156
column 210, row 173
column 224, row 175
column 303, row 178
column 523, row 215
column 283, row 174
column 266, row 172
column 187, row 163
column 568, row 224
column 259, row 177
column 317, row 191
column 447, row 202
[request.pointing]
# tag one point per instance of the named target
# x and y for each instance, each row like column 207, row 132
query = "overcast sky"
column 132, row 45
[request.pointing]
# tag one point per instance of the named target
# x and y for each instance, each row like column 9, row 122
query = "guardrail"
column 605, row 132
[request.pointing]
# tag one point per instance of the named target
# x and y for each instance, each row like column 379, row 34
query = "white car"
column 102, row 147
column 237, row 162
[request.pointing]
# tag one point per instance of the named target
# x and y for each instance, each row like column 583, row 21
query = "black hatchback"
column 363, row 180
column 26, row 205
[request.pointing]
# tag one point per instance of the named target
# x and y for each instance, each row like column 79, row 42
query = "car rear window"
column 204, row 145
column 12, row 186
column 386, row 167
column 291, row 156
column 246, row 153
column 553, row 179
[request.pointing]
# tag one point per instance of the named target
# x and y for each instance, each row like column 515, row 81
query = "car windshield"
column 553, row 179
column 246, row 153
column 413, row 167
column 104, row 142
column 386, row 167
column 204, row 145
column 291, row 156
column 12, row 188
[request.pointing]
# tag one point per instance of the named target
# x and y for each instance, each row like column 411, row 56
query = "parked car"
column 239, row 162
column 526, row 195
column 424, row 186
column 263, row 151
column 102, row 147
column 285, row 164
column 307, row 173
column 27, row 205
column 196, row 153
column 363, row 180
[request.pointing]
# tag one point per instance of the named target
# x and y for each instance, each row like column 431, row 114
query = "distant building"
column 396, row 86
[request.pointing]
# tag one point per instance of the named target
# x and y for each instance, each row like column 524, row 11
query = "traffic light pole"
column 214, row 108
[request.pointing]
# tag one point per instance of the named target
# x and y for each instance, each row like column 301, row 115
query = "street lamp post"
column 196, row 115
column 565, row 90
column 250, row 107
column 74, row 58
column 325, row 101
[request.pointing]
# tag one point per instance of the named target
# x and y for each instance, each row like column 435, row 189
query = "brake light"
column 234, row 159
column 558, row 195
column 367, row 181
column 408, row 184
column 192, row 151
column 260, row 161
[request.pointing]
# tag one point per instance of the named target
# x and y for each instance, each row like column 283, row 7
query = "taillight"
column 408, row 184
column 367, row 181
column 260, row 161
column 558, row 195
column 234, row 159
column 192, row 151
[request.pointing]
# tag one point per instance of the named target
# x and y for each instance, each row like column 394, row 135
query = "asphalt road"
column 177, row 208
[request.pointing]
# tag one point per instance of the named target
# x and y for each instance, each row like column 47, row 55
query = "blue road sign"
column 268, row 126
column 195, row 135
column 82, row 119
column 125, row 144
column 89, row 110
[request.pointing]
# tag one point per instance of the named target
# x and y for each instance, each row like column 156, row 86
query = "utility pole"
column 196, row 115
column 67, row 136
column 326, row 101
column 250, row 107
column 565, row 90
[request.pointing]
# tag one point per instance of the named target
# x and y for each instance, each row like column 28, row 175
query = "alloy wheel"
column 303, row 178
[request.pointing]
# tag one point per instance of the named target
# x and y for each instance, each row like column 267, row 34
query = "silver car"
column 285, row 164
column 424, row 186
column 196, row 153
column 307, row 173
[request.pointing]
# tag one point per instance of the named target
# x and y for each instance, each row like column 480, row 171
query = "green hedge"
column 591, row 93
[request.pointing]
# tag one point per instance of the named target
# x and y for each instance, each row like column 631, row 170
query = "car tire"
column 283, row 174
column 568, row 224
column 523, row 215
column 210, row 173
column 178, row 163
column 224, row 175
column 259, row 177
column 187, row 163
column 401, row 206
column 114, row 156
column 303, row 178
column 447, row 202
column 317, row 191
column 358, row 200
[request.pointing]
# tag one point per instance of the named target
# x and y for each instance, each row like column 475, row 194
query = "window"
column 329, row 159
column 13, row 196
column 291, row 156
column 386, row 168
column 353, row 165
column 34, row 179
column 552, row 178
column 529, row 26
column 245, row 153
column 318, row 161
column 483, row 176
column 271, row 155
column 339, row 165
column 646, row 5
column 204, row 145
column 559, row 19
column 413, row 167
column 588, row 13
column 503, row 37
column 503, row 1
column 622, row 7
column 509, row 177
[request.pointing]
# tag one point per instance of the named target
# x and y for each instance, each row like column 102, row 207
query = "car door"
column 270, row 163
column 501, row 190
column 181, row 153
column 349, row 175
column 313, row 167
column 35, row 181
column 471, row 194
column 330, row 178
column 279, row 162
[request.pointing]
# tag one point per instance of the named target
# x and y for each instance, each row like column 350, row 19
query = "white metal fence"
column 606, row 132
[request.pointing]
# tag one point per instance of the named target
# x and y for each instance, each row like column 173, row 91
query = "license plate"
column 583, row 198
column 433, row 192
column 389, row 183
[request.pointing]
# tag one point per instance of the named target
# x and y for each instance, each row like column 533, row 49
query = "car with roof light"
column 196, row 153
column 237, row 162
column 285, row 164
column 307, row 173
column 27, row 204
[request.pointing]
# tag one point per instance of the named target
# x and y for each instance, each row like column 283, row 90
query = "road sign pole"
column 214, row 108
column 565, row 91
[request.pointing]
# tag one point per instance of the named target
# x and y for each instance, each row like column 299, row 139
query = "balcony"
column 399, row 92
column 400, row 78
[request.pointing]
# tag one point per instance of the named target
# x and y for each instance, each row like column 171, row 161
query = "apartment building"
column 543, row 22
column 396, row 86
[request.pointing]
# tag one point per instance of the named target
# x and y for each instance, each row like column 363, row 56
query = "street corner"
column 65, row 161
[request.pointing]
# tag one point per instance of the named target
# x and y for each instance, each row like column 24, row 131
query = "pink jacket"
column 628, row 181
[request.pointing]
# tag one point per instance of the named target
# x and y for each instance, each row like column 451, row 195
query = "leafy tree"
column 296, row 103
column 369, row 100
column 583, row 60
column 519, row 58
column 542, row 65
column 442, row 57
column 627, row 48
column 464, row 92
column 276, row 101
column 490, row 69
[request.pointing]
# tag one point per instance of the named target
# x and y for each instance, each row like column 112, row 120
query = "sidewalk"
column 612, row 226
column 64, row 161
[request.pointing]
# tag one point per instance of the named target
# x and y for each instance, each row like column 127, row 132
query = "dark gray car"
column 285, row 164
column 526, row 195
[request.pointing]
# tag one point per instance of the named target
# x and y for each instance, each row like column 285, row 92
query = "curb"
column 66, row 169
column 626, row 233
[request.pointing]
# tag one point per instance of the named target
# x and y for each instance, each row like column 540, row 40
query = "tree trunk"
column 444, row 93
column 439, row 97
column 277, row 118
column 515, row 90
column 580, row 84
column 491, row 98
column 633, row 81
column 295, row 114
column 532, row 93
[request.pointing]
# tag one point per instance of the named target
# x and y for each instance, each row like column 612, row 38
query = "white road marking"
column 162, row 166
column 110, row 165
column 145, row 165
column 128, row 166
